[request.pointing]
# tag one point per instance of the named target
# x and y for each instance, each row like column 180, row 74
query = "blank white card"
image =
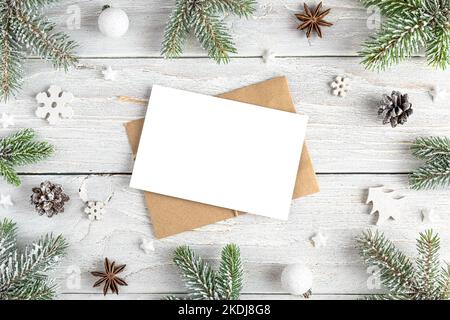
column 219, row 152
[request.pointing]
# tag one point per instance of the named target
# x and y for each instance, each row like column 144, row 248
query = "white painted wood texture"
column 351, row 150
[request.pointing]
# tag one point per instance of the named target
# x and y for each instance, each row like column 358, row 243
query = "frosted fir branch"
column 431, row 175
column 21, row 149
column 203, row 17
column 197, row 274
column 391, row 8
column 229, row 277
column 399, row 39
column 203, row 282
column 241, row 8
column 428, row 148
column 396, row 269
column 428, row 265
column 22, row 275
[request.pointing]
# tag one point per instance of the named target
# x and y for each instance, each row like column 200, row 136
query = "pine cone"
column 49, row 199
column 395, row 108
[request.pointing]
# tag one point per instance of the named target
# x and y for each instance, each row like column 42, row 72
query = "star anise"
column 109, row 278
column 312, row 21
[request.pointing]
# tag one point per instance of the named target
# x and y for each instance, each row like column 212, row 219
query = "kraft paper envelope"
column 171, row 216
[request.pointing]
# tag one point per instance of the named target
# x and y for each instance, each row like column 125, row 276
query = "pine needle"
column 204, row 18
column 410, row 26
column 21, row 149
column 203, row 282
column 403, row 280
column 23, row 27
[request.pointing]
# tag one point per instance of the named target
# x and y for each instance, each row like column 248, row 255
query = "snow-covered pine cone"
column 395, row 108
column 49, row 198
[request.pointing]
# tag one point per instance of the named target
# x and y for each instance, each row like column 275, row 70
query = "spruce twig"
column 410, row 26
column 21, row 149
column 23, row 274
column 435, row 172
column 203, row 17
column 403, row 280
column 203, row 282
column 24, row 29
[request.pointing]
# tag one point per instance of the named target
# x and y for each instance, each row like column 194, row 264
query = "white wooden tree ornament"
column 53, row 105
column 386, row 202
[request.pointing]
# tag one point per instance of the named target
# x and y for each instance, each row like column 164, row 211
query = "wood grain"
column 351, row 150
column 344, row 134
column 267, row 245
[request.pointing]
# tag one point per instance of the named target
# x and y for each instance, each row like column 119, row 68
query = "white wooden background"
column 351, row 150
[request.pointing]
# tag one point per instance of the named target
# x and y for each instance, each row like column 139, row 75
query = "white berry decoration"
column 95, row 210
column 340, row 86
column 113, row 22
column 147, row 245
column 53, row 105
column 297, row 279
column 319, row 240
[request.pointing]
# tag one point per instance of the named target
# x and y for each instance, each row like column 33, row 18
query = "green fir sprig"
column 435, row 172
column 203, row 282
column 204, row 19
column 23, row 28
column 410, row 26
column 23, row 273
column 21, row 149
column 405, row 279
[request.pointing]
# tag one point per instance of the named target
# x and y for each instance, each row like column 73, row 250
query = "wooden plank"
column 273, row 26
column 153, row 296
column 267, row 245
column 344, row 134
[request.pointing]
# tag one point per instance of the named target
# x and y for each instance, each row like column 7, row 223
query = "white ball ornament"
column 113, row 22
column 297, row 279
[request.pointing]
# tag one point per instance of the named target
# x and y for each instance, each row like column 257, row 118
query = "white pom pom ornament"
column 297, row 279
column 113, row 22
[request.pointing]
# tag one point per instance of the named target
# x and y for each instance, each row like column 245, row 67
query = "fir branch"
column 203, row 282
column 21, row 149
column 428, row 265
column 198, row 275
column 412, row 24
column 11, row 58
column 22, row 28
column 396, row 270
column 438, row 48
column 213, row 36
column 444, row 283
column 431, row 175
column 35, row 31
column 8, row 234
column 391, row 8
column 428, row 148
column 202, row 16
column 177, row 30
column 229, row 277
column 425, row 280
column 22, row 275
column 241, row 8
column 400, row 38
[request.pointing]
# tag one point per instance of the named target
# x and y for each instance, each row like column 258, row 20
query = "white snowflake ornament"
column 6, row 120
column 54, row 105
column 340, row 86
column 5, row 201
column 95, row 210
column 387, row 203
column 319, row 240
column 109, row 74
column 147, row 245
